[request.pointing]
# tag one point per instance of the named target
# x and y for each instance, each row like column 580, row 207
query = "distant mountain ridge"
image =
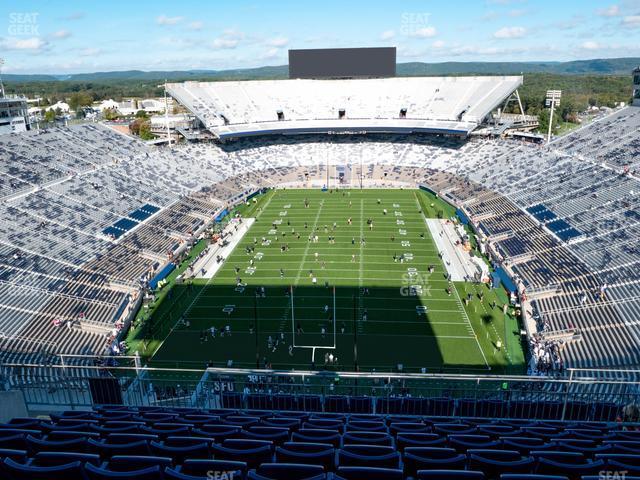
column 609, row 66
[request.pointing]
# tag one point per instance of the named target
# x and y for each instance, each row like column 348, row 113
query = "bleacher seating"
column 446, row 104
column 170, row 443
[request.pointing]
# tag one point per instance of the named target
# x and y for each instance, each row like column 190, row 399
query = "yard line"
column 458, row 301
column 361, row 268
column 466, row 317
column 306, row 250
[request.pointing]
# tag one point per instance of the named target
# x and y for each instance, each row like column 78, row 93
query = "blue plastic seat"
column 218, row 432
column 61, row 435
column 18, row 471
column 524, row 476
column 462, row 443
column 317, row 436
column 200, row 467
column 131, row 437
column 163, row 430
column 449, row 475
column 432, row 458
column 454, row 429
column 368, row 455
column 19, row 456
column 496, row 462
column 324, row 424
column 176, row 474
column 243, row 421
column 307, row 453
column 524, row 445
column 417, row 427
column 73, row 445
column 125, row 463
column 149, row 473
column 50, row 459
column 252, row 456
column 277, row 435
column 23, row 422
column 365, row 426
column 629, row 465
column 495, row 431
column 107, row 450
column 368, row 473
column 288, row 471
column 410, row 439
column 16, row 441
column 180, row 453
column 574, row 471
column 292, row 424
column 367, row 438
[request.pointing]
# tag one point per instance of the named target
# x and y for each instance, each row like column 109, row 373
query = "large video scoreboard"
column 342, row 63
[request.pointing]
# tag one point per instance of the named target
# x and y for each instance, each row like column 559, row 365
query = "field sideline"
column 372, row 307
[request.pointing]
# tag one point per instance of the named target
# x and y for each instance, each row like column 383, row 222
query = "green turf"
column 450, row 337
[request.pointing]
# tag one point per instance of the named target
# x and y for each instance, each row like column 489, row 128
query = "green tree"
column 543, row 119
column 49, row 116
column 142, row 114
column 79, row 100
column 145, row 131
column 110, row 114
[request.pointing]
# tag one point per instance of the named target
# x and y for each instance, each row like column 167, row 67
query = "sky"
column 58, row 37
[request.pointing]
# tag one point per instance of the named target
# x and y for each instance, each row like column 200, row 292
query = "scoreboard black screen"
column 342, row 63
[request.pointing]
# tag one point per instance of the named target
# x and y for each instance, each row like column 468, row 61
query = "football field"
column 354, row 274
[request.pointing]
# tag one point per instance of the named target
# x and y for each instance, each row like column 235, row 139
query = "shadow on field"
column 381, row 326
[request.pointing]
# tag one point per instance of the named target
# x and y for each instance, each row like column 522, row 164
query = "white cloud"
column 229, row 39
column 510, row 32
column 33, row 44
column 164, row 20
column 631, row 21
column 424, row 32
column 197, row 25
column 590, row 45
column 438, row 44
column 491, row 51
column 387, row 35
column 223, row 43
column 278, row 42
column 61, row 34
column 611, row 11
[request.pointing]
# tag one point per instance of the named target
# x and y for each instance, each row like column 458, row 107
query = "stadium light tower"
column 553, row 101
column 1, row 84
column 166, row 113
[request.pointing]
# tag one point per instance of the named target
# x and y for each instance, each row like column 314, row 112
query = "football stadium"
column 346, row 273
